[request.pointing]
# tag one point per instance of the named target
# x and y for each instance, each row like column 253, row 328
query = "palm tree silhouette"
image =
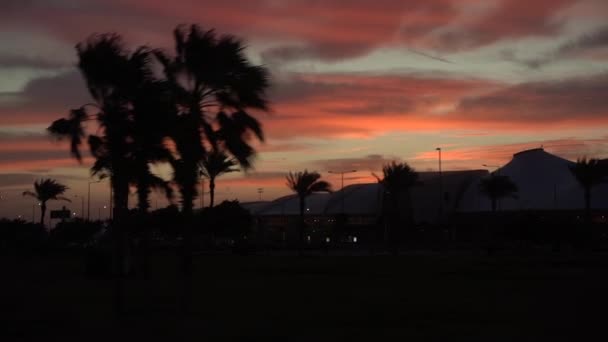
column 113, row 77
column 397, row 180
column 213, row 82
column 496, row 187
column 304, row 184
column 214, row 164
column 213, row 85
column 104, row 64
column 44, row 191
column 589, row 173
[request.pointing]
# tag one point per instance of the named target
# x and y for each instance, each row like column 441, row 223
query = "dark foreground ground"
column 316, row 298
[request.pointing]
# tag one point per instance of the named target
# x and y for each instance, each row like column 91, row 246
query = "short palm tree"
column 44, row 191
column 496, row 187
column 214, row 164
column 589, row 173
column 304, row 184
column 397, row 181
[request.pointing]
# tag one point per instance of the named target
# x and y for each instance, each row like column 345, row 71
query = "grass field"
column 321, row 298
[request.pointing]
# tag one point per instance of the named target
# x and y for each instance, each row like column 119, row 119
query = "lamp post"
column 341, row 173
column 89, row 201
column 260, row 192
column 438, row 149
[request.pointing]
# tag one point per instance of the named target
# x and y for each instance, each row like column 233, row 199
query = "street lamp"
column 341, row 173
column 260, row 192
column 438, row 149
column 89, row 200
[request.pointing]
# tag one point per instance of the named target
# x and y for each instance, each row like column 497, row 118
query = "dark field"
column 315, row 298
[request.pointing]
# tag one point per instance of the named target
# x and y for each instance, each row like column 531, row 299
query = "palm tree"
column 44, row 191
column 397, row 180
column 113, row 76
column 214, row 164
column 212, row 82
column 304, row 184
column 496, row 187
column 104, row 64
column 589, row 173
column 213, row 85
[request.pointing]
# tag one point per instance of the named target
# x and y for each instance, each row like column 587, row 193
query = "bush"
column 227, row 220
column 19, row 234
column 76, row 232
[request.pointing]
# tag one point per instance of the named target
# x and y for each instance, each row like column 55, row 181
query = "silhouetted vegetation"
column 213, row 165
column 589, row 174
column 46, row 190
column 19, row 235
column 496, row 187
column 397, row 181
column 304, row 184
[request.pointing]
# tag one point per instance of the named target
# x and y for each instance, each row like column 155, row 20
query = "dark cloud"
column 44, row 99
column 304, row 29
column 548, row 101
column 16, row 179
column 11, row 135
column 369, row 163
column 585, row 43
column 511, row 19
column 15, row 61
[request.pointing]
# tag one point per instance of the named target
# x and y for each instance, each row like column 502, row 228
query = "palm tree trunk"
column 42, row 213
column 187, row 261
column 120, row 191
column 211, row 191
column 188, row 194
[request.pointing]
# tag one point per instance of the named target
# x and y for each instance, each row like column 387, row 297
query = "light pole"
column 89, row 201
column 341, row 173
column 438, row 149
column 260, row 192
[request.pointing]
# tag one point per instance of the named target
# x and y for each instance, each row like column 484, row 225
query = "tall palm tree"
column 589, row 173
column 496, row 187
column 113, row 76
column 213, row 82
column 214, row 86
column 213, row 165
column 46, row 190
column 304, row 184
column 104, row 64
column 397, row 181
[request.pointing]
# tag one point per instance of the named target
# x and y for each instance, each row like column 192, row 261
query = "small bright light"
column 74, row 214
column 39, row 203
column 354, row 239
column 104, row 207
column 308, row 238
column 307, row 209
column 327, row 239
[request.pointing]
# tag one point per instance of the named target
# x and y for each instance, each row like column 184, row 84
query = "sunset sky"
column 355, row 83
